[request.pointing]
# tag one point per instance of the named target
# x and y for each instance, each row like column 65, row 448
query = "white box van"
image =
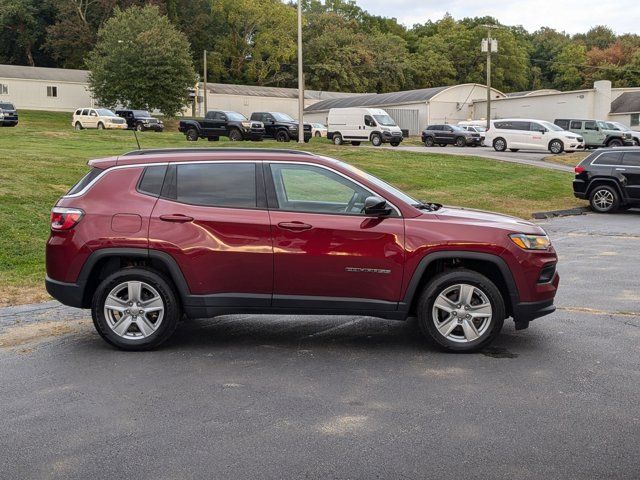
column 523, row 133
column 358, row 125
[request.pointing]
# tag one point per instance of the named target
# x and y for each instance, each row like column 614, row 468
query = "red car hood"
column 489, row 219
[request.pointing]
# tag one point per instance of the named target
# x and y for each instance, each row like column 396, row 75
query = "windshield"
column 603, row 125
column 457, row 128
column 282, row 117
column 385, row 120
column 7, row 106
column 551, row 126
column 376, row 181
column 105, row 112
column 235, row 116
column 141, row 113
column 480, row 129
column 619, row 126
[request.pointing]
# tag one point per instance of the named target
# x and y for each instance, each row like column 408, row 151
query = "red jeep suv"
column 151, row 235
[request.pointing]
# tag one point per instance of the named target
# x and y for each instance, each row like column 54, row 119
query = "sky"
column 571, row 16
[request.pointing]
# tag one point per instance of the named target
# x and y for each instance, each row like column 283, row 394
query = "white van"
column 523, row 133
column 358, row 125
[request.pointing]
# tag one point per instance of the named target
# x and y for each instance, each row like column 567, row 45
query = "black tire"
column 169, row 321
column 317, row 134
column 235, row 135
column 395, row 144
column 78, row 126
column 139, row 127
column 499, row 144
column 307, row 139
column 337, row 139
column 441, row 283
column 100, row 126
column 556, row 147
column 514, row 150
column 282, row 136
column 376, row 139
column 604, row 199
column 614, row 142
column 461, row 142
column 192, row 135
column 355, row 144
column 636, row 142
column 429, row 142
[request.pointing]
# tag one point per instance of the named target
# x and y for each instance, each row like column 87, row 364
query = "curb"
column 561, row 213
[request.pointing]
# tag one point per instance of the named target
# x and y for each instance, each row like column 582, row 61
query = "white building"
column 39, row 88
column 412, row 109
column 599, row 103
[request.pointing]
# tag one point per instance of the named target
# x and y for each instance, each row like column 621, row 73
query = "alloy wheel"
column 603, row 200
column 462, row 313
column 134, row 310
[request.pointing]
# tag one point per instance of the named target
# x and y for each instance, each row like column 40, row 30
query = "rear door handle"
column 621, row 169
column 295, row 226
column 177, row 218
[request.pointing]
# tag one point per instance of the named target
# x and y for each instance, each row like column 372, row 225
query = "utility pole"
column 300, row 78
column 204, row 90
column 489, row 45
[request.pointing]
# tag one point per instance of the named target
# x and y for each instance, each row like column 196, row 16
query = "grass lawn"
column 43, row 156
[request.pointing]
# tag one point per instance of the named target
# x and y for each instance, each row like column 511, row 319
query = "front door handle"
column 295, row 226
column 621, row 169
column 176, row 218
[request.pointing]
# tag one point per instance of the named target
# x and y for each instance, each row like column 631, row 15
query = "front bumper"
column 252, row 134
column 156, row 127
column 116, row 126
column 388, row 137
column 474, row 141
column 524, row 312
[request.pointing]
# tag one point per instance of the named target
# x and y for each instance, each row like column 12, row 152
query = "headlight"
column 530, row 242
column 246, row 124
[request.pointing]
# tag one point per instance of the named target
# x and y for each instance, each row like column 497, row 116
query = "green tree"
column 569, row 67
column 430, row 65
column 599, row 36
column 22, row 25
column 141, row 61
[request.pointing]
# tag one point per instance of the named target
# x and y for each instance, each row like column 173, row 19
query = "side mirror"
column 376, row 206
column 223, row 118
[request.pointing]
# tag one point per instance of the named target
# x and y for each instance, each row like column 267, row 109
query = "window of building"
column 52, row 91
column 635, row 119
column 4, row 89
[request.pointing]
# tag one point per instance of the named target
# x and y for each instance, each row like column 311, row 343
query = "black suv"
column 281, row 126
column 8, row 115
column 444, row 135
column 140, row 120
column 220, row 123
column 610, row 179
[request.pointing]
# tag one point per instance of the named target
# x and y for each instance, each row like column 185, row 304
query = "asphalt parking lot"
column 358, row 398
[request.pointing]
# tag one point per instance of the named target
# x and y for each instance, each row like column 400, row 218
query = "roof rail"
column 156, row 151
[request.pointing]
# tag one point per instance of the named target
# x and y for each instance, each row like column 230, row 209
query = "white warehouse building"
column 412, row 109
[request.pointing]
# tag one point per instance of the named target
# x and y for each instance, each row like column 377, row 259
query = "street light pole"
column 204, row 78
column 489, row 45
column 300, row 78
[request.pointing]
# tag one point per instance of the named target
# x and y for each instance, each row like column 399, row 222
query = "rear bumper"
column 66, row 293
column 580, row 188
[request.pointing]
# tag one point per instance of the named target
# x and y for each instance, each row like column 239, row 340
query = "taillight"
column 579, row 169
column 65, row 218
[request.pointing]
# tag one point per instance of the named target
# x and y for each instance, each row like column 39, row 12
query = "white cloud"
column 572, row 16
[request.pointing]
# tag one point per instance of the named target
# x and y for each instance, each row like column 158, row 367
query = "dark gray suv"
column 444, row 135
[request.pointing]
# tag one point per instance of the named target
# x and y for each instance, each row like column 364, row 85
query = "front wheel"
column 461, row 142
column 499, row 144
column 615, row 142
column 135, row 309
column 78, row 126
column 556, row 147
column 139, row 127
column 461, row 311
column 604, row 199
column 100, row 126
column 235, row 135
column 376, row 140
column 337, row 139
column 317, row 134
column 282, row 136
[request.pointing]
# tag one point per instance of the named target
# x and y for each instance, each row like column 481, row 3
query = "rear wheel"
column 604, row 199
column 499, row 144
column 135, row 309
column 282, row 136
column 461, row 311
column 429, row 142
column 556, row 147
column 376, row 140
column 235, row 135
column 192, row 135
column 317, row 134
column 636, row 142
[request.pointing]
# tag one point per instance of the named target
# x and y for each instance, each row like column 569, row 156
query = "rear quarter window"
column 609, row 158
column 84, row 181
column 152, row 179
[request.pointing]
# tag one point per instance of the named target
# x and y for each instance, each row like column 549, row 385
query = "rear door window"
column 631, row 159
column 217, row 184
column 590, row 126
column 521, row 125
column 564, row 124
column 576, row 125
column 85, row 111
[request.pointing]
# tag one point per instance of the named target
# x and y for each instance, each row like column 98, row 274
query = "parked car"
column 141, row 120
column 444, row 135
column 596, row 133
column 358, row 125
column 148, row 236
column 280, row 126
column 99, row 118
column 318, row 130
column 609, row 179
column 477, row 129
column 621, row 127
column 222, row 123
column 518, row 133
column 8, row 115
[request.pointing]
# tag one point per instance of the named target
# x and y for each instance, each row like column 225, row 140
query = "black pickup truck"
column 219, row 123
column 280, row 126
column 141, row 120
column 8, row 115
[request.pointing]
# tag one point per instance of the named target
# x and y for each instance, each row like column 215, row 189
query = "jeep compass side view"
column 149, row 236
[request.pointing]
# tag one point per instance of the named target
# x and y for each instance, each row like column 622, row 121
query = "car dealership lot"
column 283, row 397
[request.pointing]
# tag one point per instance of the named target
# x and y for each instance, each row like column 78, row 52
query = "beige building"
column 412, row 109
column 599, row 103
